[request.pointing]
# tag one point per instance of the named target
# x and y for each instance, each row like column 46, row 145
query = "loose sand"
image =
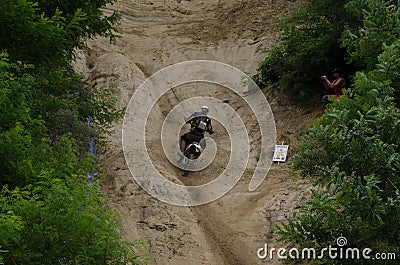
column 158, row 33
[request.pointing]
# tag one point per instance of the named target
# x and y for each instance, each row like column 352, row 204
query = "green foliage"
column 60, row 223
column 16, row 142
column 44, row 36
column 26, row 148
column 324, row 34
column 26, row 36
column 83, row 18
column 381, row 25
column 64, row 103
column 46, row 32
column 58, row 219
column 48, row 212
column 310, row 44
column 354, row 153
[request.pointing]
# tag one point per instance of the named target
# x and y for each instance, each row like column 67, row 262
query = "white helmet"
column 204, row 110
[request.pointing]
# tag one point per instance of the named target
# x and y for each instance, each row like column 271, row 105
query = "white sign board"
column 280, row 153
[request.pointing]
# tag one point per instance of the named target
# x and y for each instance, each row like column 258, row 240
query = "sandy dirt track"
column 158, row 33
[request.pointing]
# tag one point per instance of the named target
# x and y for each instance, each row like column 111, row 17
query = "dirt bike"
column 192, row 152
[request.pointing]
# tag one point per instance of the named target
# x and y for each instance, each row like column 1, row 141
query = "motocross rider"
column 200, row 123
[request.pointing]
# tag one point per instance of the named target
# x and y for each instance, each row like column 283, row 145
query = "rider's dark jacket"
column 200, row 124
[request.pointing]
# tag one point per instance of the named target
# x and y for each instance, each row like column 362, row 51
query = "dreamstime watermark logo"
column 144, row 101
column 340, row 251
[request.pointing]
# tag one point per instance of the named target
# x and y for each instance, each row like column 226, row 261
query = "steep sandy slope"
column 155, row 34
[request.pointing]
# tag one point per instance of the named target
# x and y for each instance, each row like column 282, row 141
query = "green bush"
column 39, row 39
column 46, row 32
column 49, row 214
column 61, row 224
column 353, row 150
column 310, row 44
column 381, row 26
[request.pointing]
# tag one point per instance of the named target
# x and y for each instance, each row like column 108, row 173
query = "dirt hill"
column 156, row 34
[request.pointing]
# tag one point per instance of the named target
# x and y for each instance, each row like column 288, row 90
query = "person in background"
column 336, row 85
